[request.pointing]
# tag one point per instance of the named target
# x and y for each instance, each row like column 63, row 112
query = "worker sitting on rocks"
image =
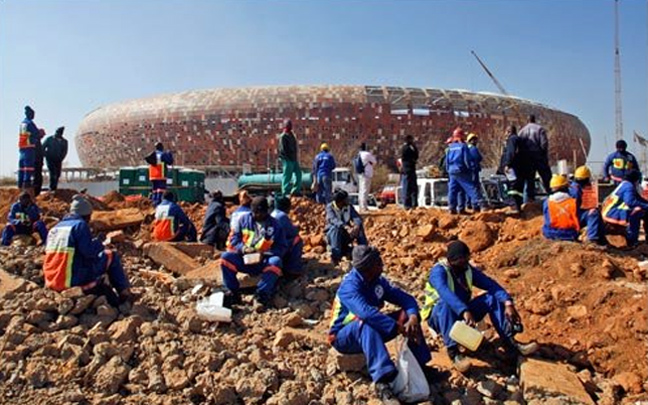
column 588, row 212
column 73, row 258
column 343, row 226
column 292, row 258
column 24, row 219
column 359, row 326
column 244, row 208
column 216, row 226
column 626, row 208
column 459, row 166
column 561, row 221
column 448, row 299
column 171, row 224
column 256, row 246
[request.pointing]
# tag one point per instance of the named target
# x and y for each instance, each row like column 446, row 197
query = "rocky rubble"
column 586, row 307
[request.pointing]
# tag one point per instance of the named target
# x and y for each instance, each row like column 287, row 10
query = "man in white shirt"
column 368, row 161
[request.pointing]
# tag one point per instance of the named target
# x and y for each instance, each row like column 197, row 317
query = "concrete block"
column 547, row 379
column 105, row 221
column 168, row 256
column 195, row 249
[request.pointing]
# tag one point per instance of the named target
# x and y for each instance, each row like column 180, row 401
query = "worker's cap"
column 59, row 130
column 472, row 136
column 28, row 109
column 169, row 196
column 282, row 203
column 244, row 197
column 632, row 176
column 324, row 146
column 621, row 144
column 340, row 195
column 457, row 249
column 80, row 206
column 558, row 181
column 365, row 257
column 582, row 173
column 458, row 133
column 260, row 204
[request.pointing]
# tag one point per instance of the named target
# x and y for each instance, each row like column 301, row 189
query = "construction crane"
column 618, row 107
column 488, row 72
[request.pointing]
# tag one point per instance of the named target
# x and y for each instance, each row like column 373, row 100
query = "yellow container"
column 466, row 336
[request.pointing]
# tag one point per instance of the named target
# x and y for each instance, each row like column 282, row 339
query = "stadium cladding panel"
column 231, row 127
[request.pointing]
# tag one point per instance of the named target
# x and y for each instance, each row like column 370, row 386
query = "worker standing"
column 625, row 207
column 323, row 166
column 24, row 219
column 38, row 163
column 588, row 216
column 560, row 210
column 294, row 246
column 343, row 227
column 448, row 299
column 618, row 163
column 475, row 159
column 459, row 167
column 289, row 155
column 55, row 149
column 359, row 326
column 159, row 162
column 28, row 137
column 518, row 172
column 216, row 226
column 536, row 144
column 364, row 168
column 409, row 157
column 171, row 224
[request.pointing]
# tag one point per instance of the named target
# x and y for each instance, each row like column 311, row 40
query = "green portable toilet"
column 190, row 185
column 127, row 177
column 141, row 177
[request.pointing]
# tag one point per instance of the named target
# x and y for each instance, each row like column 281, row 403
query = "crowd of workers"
column 262, row 241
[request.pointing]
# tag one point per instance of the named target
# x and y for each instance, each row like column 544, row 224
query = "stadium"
column 233, row 127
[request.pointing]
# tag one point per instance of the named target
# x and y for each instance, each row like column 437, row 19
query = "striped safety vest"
column 164, row 224
column 432, row 295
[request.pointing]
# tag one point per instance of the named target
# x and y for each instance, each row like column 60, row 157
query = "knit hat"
column 260, row 204
column 28, row 109
column 457, row 249
column 365, row 257
column 80, row 206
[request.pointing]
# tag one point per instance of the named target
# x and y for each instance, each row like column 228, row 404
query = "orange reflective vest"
column 164, row 224
column 563, row 214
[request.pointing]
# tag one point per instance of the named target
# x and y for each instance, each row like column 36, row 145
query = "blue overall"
column 292, row 259
column 590, row 218
column 336, row 235
column 23, row 221
column 458, row 166
column 617, row 164
column 358, row 326
column 159, row 186
column 452, row 304
column 475, row 161
column 267, row 238
column 323, row 167
column 624, row 207
column 29, row 138
column 183, row 228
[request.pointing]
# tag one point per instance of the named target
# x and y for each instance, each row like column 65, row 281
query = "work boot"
column 261, row 303
column 461, row 363
column 463, row 212
column 453, row 212
column 385, row 393
column 526, row 349
column 230, row 299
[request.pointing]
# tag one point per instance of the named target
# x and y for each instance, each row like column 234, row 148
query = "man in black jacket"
column 516, row 168
column 409, row 156
column 536, row 145
column 216, row 226
column 55, row 149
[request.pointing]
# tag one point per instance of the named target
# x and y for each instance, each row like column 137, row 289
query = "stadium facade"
column 232, row 127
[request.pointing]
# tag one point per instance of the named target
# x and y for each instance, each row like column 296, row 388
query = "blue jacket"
column 336, row 217
column 164, row 156
column 475, row 158
column 561, row 217
column 170, row 221
column 323, row 164
column 237, row 214
column 266, row 237
column 618, row 206
column 290, row 231
column 29, row 136
column 458, row 158
column 617, row 163
column 459, row 299
column 357, row 299
column 25, row 216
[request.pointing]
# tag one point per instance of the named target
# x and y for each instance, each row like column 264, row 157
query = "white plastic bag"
column 211, row 309
column 410, row 384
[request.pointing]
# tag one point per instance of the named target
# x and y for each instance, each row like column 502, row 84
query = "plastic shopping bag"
column 410, row 384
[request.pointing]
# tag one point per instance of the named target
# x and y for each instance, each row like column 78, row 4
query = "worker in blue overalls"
column 626, row 208
column 459, row 167
column 618, row 163
column 448, row 299
column 560, row 210
column 28, row 138
column 475, row 160
column 292, row 258
column 323, row 166
column 171, row 224
column 24, row 219
column 589, row 216
column 359, row 326
column 159, row 162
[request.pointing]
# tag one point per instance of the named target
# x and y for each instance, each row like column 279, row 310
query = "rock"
column 631, row 382
column 293, row 319
column 343, row 398
column 319, row 250
column 195, row 249
column 82, row 304
column 283, row 338
column 447, row 222
column 74, row 292
column 542, row 378
column 111, row 376
column 171, row 258
column 345, row 362
column 116, row 237
column 512, row 273
column 317, row 240
column 223, row 394
column 489, row 388
column 36, row 374
column 46, row 305
column 477, row 235
column 105, row 350
column 176, row 379
column 39, row 317
column 190, row 320
column 65, row 322
column 65, row 305
column 577, row 311
column 157, row 381
column 118, row 219
column 252, row 389
column 426, row 232
column 107, row 311
column 125, row 330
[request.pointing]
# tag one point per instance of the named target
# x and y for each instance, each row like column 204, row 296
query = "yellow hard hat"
column 582, row 173
column 471, row 136
column 558, row 181
column 324, row 146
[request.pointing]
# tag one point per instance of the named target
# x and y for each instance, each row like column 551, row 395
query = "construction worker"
column 448, row 299
column 518, row 172
column 476, row 159
column 536, row 147
column 625, row 207
column 255, row 247
column 159, row 162
column 561, row 221
column 24, row 219
column 409, row 157
column 292, row 258
column 73, row 258
column 244, row 208
column 216, row 226
column 28, row 138
column 460, row 171
column 618, row 163
column 343, row 227
column 359, row 326
column 323, row 166
column 365, row 160
column 38, row 163
column 55, row 149
column 288, row 153
column 587, row 216
column 171, row 224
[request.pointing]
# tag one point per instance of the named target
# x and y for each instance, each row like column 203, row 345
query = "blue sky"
column 68, row 57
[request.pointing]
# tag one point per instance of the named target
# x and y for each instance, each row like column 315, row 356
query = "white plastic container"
column 211, row 309
column 252, row 258
column 466, row 336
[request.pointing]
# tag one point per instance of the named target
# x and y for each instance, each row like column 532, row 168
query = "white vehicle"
column 432, row 193
column 354, row 199
column 343, row 180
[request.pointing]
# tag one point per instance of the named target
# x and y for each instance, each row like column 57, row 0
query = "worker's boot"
column 385, row 393
column 459, row 361
column 526, row 349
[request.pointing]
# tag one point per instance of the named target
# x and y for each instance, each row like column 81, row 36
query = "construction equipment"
column 618, row 108
column 491, row 75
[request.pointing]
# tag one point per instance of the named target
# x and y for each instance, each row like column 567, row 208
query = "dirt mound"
column 113, row 197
